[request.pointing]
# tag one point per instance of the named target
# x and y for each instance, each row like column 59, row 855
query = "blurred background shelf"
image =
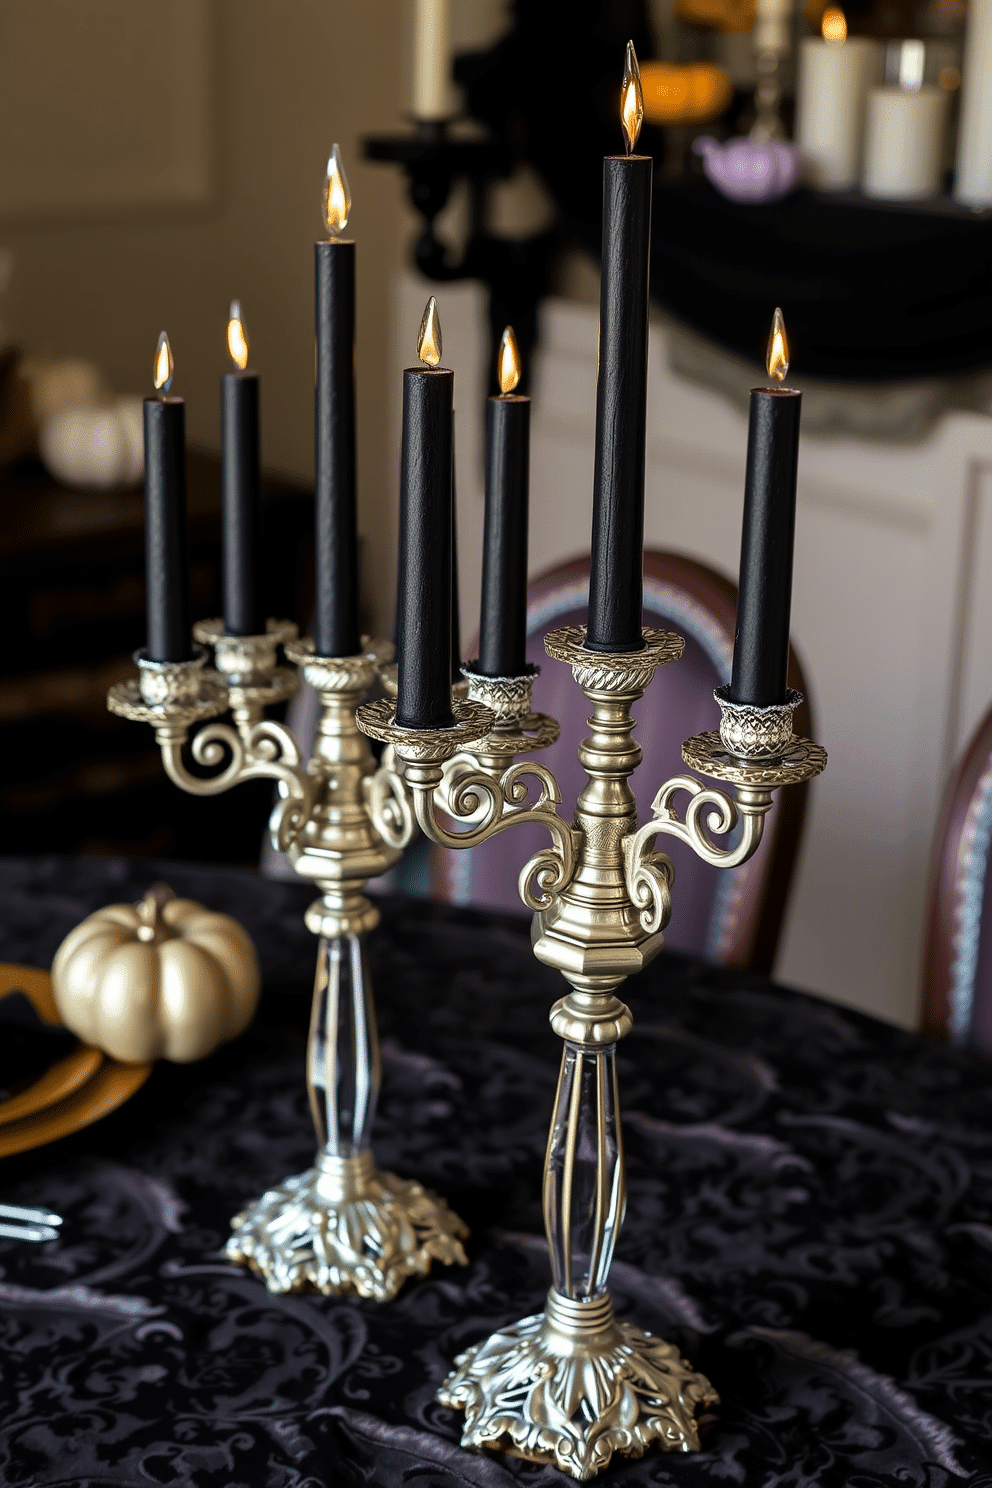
column 874, row 290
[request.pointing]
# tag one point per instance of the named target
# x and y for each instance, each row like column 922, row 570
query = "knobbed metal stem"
column 342, row 1226
column 572, row 1385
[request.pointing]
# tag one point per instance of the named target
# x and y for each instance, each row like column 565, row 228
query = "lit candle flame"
column 777, row 358
column 509, row 361
column 429, row 343
column 834, row 24
column 164, row 364
column 631, row 99
column 237, row 337
column 335, row 199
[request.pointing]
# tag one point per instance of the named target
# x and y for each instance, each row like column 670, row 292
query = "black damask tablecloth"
column 809, row 1217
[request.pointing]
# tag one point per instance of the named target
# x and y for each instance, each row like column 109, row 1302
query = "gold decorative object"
column 342, row 1226
column 165, row 978
column 573, row 1385
column 685, row 93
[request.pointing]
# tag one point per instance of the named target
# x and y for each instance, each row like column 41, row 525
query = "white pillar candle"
column 431, row 58
column 973, row 182
column 903, row 139
column 834, row 79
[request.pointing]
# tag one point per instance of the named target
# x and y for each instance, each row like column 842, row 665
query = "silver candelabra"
column 572, row 1385
column 342, row 1226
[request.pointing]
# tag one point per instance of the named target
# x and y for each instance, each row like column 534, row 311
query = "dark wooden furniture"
column 73, row 596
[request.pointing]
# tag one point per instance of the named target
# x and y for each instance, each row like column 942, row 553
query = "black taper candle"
column 336, row 625
column 423, row 621
column 456, row 622
column 166, row 552
column 503, row 620
column 241, row 482
column 616, row 579
column 764, row 598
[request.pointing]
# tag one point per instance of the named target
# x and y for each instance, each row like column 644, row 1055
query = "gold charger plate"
column 71, row 1094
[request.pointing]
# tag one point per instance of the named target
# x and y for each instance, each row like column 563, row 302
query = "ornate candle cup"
column 249, row 662
column 517, row 729
column 755, row 745
column 572, row 1385
column 166, row 685
column 342, row 1226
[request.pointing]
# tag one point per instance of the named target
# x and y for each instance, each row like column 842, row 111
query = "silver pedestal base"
column 571, row 1386
column 343, row 1227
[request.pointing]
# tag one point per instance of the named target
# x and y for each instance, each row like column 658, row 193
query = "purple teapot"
column 750, row 170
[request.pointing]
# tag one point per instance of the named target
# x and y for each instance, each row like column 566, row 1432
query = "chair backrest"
column 732, row 918
column 957, row 952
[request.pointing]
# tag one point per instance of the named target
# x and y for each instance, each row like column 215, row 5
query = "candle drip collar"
column 756, row 730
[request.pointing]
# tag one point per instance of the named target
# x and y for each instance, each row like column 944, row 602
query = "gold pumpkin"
column 165, row 978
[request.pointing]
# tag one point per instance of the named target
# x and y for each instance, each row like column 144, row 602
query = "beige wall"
column 288, row 77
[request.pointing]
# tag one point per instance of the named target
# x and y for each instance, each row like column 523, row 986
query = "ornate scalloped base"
column 571, row 1390
column 362, row 1236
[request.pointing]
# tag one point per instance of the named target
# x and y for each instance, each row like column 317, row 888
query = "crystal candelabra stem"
column 573, row 1384
column 344, row 1069
column 342, row 1226
column 584, row 1181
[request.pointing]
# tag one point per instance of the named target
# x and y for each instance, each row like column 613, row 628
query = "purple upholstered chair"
column 732, row 918
column 957, row 955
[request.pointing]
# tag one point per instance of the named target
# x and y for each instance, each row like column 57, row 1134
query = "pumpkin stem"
column 149, row 909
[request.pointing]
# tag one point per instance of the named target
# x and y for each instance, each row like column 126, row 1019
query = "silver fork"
column 30, row 1224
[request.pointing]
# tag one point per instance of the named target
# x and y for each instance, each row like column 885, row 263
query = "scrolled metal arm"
column 493, row 804
column 266, row 750
column 389, row 803
column 710, row 812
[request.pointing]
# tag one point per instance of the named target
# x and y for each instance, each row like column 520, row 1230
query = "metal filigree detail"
column 800, row 761
column 560, row 1389
column 125, row 699
column 164, row 683
column 339, row 673
column 247, row 661
column 605, row 671
column 518, row 729
column 751, row 732
column 509, row 697
column 362, row 1237
column 428, row 746
column 533, row 732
